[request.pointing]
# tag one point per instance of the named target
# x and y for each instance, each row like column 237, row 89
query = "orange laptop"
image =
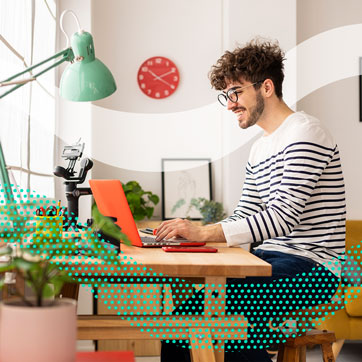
column 111, row 201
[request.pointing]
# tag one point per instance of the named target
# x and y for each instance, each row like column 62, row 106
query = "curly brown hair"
column 256, row 61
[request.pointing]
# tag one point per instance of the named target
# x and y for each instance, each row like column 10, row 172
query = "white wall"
column 329, row 34
column 128, row 32
column 131, row 132
column 139, row 131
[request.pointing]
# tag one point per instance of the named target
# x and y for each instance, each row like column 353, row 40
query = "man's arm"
column 186, row 229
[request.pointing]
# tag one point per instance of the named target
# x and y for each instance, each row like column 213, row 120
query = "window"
column 27, row 116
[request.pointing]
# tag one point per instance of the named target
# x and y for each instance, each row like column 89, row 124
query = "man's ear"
column 268, row 88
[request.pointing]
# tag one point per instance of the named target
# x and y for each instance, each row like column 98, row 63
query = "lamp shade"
column 87, row 78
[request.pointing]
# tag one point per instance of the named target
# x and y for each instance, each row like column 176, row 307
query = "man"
column 293, row 196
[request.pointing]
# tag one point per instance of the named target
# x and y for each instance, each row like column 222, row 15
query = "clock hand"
column 164, row 75
column 162, row 80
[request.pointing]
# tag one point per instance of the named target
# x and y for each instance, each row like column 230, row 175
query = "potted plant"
column 42, row 324
column 140, row 202
column 211, row 211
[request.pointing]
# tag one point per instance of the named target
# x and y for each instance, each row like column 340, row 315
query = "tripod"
column 72, row 192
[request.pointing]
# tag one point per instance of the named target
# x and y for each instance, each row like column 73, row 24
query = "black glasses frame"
column 224, row 97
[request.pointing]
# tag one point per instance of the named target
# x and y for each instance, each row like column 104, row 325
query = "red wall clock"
column 158, row 77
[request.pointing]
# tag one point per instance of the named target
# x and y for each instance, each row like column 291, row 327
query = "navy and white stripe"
column 293, row 196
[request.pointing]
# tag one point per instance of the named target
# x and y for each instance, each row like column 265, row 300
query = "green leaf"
column 154, row 199
column 132, row 186
column 59, row 281
column 127, row 189
column 7, row 267
column 47, row 291
column 137, row 190
column 139, row 214
column 25, row 265
column 134, row 199
column 178, row 204
column 149, row 212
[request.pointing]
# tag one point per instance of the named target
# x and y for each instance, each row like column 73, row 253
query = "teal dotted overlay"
column 274, row 311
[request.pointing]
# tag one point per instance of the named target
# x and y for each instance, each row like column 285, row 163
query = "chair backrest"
column 353, row 233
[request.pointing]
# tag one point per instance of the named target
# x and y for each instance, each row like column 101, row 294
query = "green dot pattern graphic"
column 274, row 310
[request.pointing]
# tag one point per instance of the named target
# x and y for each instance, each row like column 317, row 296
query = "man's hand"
column 186, row 229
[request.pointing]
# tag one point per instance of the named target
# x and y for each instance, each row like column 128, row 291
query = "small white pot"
column 38, row 334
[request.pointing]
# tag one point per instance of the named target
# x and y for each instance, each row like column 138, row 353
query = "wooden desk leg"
column 215, row 305
column 291, row 354
column 337, row 346
column 167, row 299
column 327, row 352
column 302, row 353
column 280, row 357
column 201, row 351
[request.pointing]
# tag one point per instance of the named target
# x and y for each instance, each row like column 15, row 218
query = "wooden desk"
column 227, row 262
column 150, row 262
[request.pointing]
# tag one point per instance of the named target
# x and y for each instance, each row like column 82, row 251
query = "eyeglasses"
column 232, row 94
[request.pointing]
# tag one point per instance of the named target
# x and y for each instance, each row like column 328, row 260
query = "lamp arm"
column 4, row 178
column 67, row 56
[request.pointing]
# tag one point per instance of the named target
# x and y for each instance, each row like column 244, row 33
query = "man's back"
column 293, row 196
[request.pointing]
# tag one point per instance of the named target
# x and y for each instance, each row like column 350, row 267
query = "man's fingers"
column 164, row 226
column 170, row 235
column 165, row 223
column 163, row 234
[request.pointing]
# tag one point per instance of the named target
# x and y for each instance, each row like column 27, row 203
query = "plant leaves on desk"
column 140, row 202
column 149, row 212
column 153, row 198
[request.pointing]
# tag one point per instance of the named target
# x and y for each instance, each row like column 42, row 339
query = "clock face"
column 158, row 77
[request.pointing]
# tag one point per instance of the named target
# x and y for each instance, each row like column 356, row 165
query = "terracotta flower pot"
column 38, row 334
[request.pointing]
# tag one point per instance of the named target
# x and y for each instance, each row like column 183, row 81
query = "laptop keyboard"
column 148, row 240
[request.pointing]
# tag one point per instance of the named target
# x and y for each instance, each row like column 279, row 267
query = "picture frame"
column 184, row 179
column 360, row 89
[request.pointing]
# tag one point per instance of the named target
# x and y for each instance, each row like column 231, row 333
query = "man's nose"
column 230, row 105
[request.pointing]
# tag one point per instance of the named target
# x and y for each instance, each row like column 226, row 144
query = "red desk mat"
column 105, row 356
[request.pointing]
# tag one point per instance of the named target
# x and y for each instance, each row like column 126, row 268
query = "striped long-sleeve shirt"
column 293, row 197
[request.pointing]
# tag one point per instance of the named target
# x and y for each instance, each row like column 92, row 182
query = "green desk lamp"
column 85, row 79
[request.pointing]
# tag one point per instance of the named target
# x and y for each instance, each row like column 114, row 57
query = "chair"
column 347, row 322
column 294, row 349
